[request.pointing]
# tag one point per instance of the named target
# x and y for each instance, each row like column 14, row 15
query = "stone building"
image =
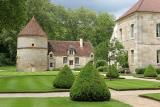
column 139, row 31
column 36, row 53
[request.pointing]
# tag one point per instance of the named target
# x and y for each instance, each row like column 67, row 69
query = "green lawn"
column 132, row 84
column 55, row 102
column 27, row 84
column 155, row 96
column 11, row 71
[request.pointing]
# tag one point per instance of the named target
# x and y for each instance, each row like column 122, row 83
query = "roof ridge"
column 67, row 41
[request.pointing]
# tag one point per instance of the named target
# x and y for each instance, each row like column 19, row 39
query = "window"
column 158, row 56
column 71, row 62
column 51, row 55
column 158, row 30
column 120, row 31
column 32, row 44
column 132, row 30
column 71, row 51
column 76, row 60
column 64, row 60
column 132, row 56
column 51, row 64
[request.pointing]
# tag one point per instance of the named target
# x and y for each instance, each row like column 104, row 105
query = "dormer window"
column 51, row 54
column 71, row 51
column 92, row 55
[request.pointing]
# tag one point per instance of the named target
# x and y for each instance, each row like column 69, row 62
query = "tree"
column 116, row 52
column 89, row 86
column 12, row 18
column 101, row 51
column 113, row 72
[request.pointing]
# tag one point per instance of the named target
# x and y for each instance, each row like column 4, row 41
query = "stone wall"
column 59, row 61
column 144, row 43
column 32, row 57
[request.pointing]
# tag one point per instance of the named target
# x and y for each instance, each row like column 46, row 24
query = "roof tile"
column 143, row 6
column 32, row 29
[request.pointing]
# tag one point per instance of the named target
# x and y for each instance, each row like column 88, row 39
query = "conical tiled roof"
column 32, row 29
column 144, row 6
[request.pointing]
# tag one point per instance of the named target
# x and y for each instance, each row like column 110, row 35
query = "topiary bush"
column 150, row 72
column 113, row 72
column 140, row 70
column 89, row 86
column 100, row 63
column 158, row 70
column 158, row 78
column 102, row 69
column 64, row 79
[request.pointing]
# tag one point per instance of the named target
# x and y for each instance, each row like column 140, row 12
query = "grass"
column 155, row 96
column 27, row 84
column 132, row 84
column 11, row 71
column 55, row 102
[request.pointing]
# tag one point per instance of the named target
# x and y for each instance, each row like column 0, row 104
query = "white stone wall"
column 32, row 58
column 59, row 61
column 40, row 42
column 145, row 43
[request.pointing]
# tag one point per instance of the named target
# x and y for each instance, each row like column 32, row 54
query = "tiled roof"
column 32, row 29
column 144, row 6
column 59, row 48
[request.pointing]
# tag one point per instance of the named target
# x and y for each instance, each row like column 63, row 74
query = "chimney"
column 81, row 43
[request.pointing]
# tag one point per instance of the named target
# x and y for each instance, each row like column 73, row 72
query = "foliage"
column 101, row 51
column 140, row 70
column 101, row 63
column 59, row 23
column 150, row 72
column 64, row 79
column 117, row 53
column 103, row 69
column 158, row 70
column 113, row 72
column 158, row 78
column 12, row 17
column 89, row 86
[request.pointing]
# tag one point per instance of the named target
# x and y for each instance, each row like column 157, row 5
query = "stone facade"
column 72, row 59
column 138, row 34
column 32, row 53
column 58, row 61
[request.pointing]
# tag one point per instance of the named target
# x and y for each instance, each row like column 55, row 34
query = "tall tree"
column 12, row 18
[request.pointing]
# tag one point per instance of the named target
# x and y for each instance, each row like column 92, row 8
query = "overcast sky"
column 115, row 7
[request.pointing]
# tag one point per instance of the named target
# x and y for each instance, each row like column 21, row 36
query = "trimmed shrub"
column 150, row 72
column 100, row 63
column 158, row 78
column 89, row 86
column 64, row 79
column 140, row 70
column 158, row 70
column 113, row 72
column 102, row 69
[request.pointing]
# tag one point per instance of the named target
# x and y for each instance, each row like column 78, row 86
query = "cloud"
column 115, row 7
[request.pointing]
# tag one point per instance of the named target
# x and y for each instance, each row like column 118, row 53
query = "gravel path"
column 131, row 77
column 129, row 97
